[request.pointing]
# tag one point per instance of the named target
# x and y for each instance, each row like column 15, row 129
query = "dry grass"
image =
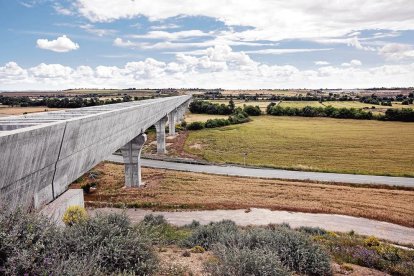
column 315, row 144
column 9, row 111
column 168, row 189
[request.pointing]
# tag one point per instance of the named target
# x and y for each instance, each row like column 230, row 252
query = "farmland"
column 167, row 189
column 337, row 104
column 314, row 144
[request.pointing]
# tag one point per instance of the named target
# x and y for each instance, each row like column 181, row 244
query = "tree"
column 232, row 106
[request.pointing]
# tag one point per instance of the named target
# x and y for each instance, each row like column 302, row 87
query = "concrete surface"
column 275, row 173
column 131, row 154
column 38, row 162
column 338, row 223
column 57, row 208
column 160, row 129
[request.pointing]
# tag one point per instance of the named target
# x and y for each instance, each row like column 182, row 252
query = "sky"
column 232, row 44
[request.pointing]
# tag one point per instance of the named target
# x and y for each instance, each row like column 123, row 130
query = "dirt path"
column 339, row 223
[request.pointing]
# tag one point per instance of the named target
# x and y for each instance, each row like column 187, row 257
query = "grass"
column 8, row 111
column 314, row 144
column 168, row 189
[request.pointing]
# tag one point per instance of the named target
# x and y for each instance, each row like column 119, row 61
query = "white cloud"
column 220, row 66
column 61, row 44
column 271, row 20
column 172, row 35
column 61, row 10
column 285, row 51
column 11, row 71
column 352, row 63
column 97, row 31
column 397, row 51
column 321, row 62
column 50, row 71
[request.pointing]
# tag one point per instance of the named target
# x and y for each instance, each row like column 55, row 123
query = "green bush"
column 239, row 117
column 195, row 126
column 213, row 123
column 252, row 110
column 245, row 261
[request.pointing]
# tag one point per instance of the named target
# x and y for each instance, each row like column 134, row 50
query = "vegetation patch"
column 316, row 144
column 175, row 190
column 404, row 114
column 109, row 244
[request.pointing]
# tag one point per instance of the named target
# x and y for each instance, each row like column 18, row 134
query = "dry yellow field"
column 9, row 111
column 167, row 189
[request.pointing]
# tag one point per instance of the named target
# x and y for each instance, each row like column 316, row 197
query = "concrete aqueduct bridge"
column 42, row 153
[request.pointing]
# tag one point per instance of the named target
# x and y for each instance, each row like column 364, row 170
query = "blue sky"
column 48, row 44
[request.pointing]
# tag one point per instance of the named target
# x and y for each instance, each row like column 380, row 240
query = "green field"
column 316, row 144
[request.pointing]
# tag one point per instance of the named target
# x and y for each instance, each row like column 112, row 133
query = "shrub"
column 74, row 214
column 154, row 220
column 206, row 236
column 156, row 229
column 193, row 225
column 197, row 249
column 86, row 187
column 252, row 110
column 312, row 230
column 293, row 250
column 245, row 261
column 371, row 241
column 239, row 117
column 31, row 245
column 195, row 126
column 213, row 123
column 118, row 248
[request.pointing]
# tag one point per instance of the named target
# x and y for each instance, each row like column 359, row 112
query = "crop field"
column 166, row 189
column 314, row 144
column 9, row 111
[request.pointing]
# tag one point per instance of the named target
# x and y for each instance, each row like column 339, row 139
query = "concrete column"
column 181, row 111
column 131, row 153
column 160, row 127
column 172, row 116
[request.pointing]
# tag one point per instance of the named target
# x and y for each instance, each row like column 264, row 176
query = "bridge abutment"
column 160, row 127
column 131, row 153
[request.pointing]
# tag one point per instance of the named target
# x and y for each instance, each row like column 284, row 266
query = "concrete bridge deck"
column 41, row 154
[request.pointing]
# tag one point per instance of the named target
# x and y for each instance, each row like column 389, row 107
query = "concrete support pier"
column 160, row 127
column 172, row 117
column 131, row 153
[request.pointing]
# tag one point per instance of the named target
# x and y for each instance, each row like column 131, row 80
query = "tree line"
column 74, row 102
column 404, row 114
